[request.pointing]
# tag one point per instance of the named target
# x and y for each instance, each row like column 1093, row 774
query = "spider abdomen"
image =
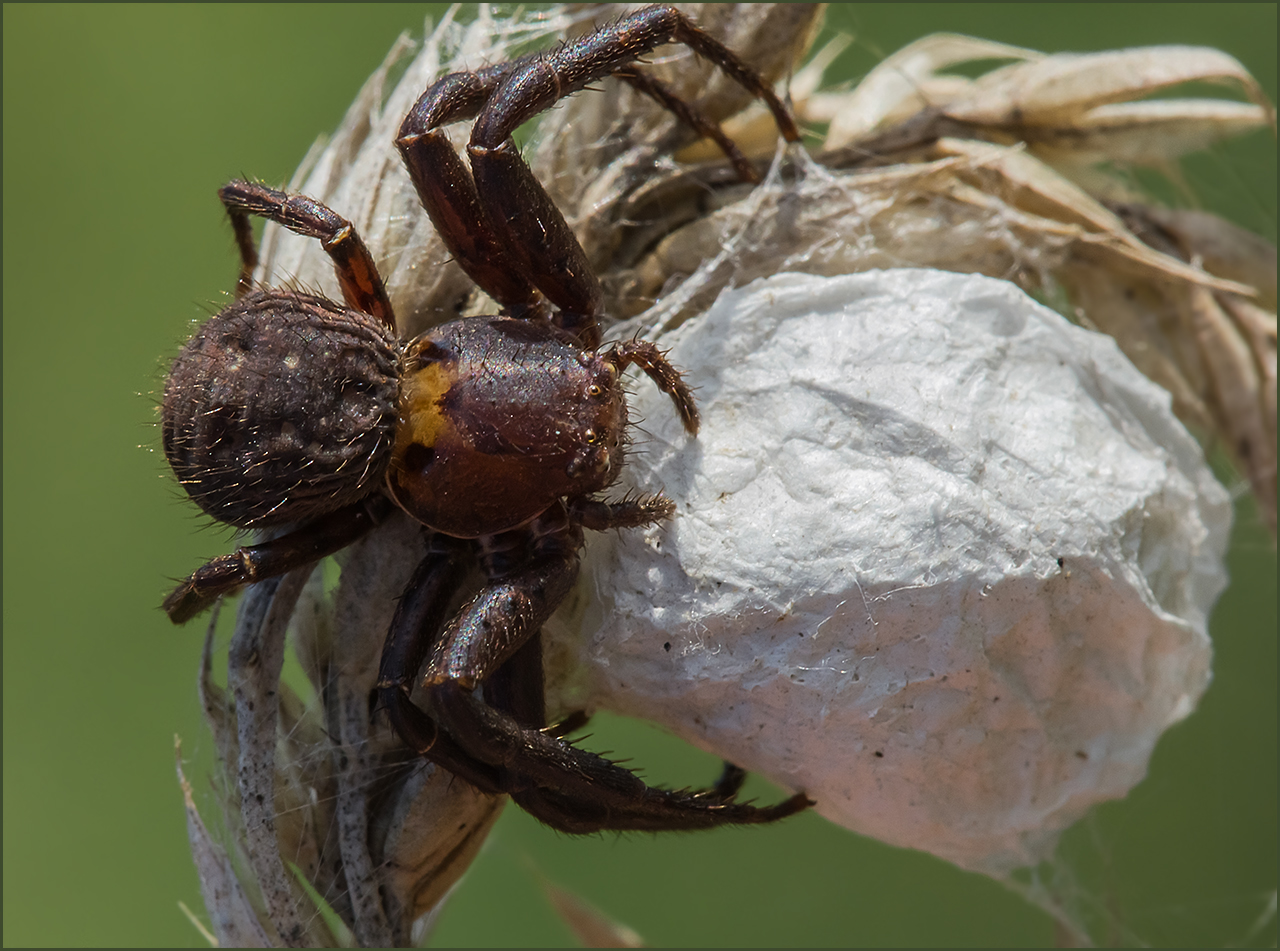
column 499, row 418
column 281, row 408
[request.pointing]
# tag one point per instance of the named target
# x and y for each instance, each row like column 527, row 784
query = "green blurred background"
column 119, row 124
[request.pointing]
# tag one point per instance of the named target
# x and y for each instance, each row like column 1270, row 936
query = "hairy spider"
column 496, row 433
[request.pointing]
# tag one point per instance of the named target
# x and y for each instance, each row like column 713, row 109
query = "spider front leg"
column 536, row 83
column 498, row 222
column 564, row 786
column 414, row 632
column 515, row 203
column 419, row 616
column 660, row 93
column 517, row 689
column 448, row 194
column 490, row 250
column 362, row 286
column 576, row 791
column 543, row 245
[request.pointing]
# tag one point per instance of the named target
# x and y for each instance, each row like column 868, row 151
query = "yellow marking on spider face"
column 421, row 416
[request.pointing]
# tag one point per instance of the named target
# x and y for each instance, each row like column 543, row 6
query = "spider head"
column 499, row 418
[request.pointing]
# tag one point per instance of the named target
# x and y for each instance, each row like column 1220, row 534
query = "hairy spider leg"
column 416, row 631
column 315, row 540
column 516, row 205
column 448, row 193
column 566, row 787
column 658, row 810
column 517, row 688
column 577, row 791
column 362, row 286
column 629, row 513
column 505, row 232
column 420, row 615
column 535, row 83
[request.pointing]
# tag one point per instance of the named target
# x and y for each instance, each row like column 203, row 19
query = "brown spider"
column 290, row 410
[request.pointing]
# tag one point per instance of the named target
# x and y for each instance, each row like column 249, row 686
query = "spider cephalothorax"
column 495, row 433
column 502, row 418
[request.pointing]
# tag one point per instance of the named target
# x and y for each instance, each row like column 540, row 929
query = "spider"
column 291, row 411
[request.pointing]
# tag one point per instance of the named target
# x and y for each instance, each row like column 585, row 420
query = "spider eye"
column 590, row 436
column 594, row 390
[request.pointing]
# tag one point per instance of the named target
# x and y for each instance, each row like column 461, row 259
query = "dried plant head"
column 334, row 833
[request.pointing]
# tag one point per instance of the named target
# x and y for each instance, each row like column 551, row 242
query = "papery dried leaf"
column 591, row 926
column 1236, row 387
column 1032, row 186
column 835, row 223
column 253, row 673
column 1142, row 319
column 1147, row 133
column 218, row 711
column 906, row 82
column 1221, row 247
column 431, row 827
column 1055, row 90
column 1258, row 327
column 235, row 922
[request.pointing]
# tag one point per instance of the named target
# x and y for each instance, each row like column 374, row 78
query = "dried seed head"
column 384, row 837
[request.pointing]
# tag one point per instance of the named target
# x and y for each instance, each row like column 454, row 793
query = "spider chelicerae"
column 291, row 411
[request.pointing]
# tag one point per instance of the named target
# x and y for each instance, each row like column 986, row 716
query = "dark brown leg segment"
column 517, row 206
column 419, row 617
column 499, row 223
column 579, row 792
column 362, row 286
column 538, row 82
column 517, row 689
column 564, row 786
column 509, row 611
column 248, row 251
column 414, row 631
column 681, row 811
column 535, row 234
column 311, row 542
column 448, row 194
column 692, row 117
